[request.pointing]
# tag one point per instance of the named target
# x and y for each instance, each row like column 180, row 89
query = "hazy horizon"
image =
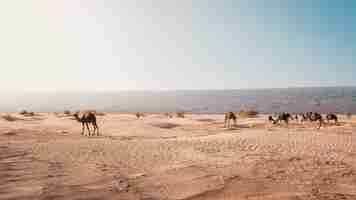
column 93, row 45
column 320, row 99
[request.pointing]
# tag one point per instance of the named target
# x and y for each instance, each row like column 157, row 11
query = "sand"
column 45, row 157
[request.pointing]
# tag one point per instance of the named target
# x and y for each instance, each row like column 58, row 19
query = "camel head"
column 76, row 116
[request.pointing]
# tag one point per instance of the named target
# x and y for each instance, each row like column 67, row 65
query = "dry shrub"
column 165, row 125
column 168, row 115
column 139, row 115
column 23, row 112
column 67, row 112
column 99, row 113
column 248, row 114
column 10, row 118
column 206, row 120
column 92, row 111
column 180, row 114
column 26, row 113
column 29, row 114
column 349, row 115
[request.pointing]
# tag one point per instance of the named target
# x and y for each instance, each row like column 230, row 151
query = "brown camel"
column 86, row 119
column 228, row 117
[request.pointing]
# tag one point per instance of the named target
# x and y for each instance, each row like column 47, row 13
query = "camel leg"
column 235, row 122
column 83, row 129
column 320, row 123
column 93, row 128
column 97, row 129
column 88, row 128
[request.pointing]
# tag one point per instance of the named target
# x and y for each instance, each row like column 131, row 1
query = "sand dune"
column 194, row 158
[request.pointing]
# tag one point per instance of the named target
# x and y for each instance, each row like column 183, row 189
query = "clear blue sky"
column 165, row 44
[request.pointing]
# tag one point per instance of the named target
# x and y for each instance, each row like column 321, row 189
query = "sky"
column 109, row 45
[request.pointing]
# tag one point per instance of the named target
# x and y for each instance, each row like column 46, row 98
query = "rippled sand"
column 45, row 157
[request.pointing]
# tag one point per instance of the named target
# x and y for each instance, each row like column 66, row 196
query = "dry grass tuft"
column 206, row 120
column 180, row 114
column 26, row 113
column 99, row 114
column 10, row 118
column 23, row 112
column 349, row 115
column 139, row 115
column 248, row 114
column 168, row 115
column 165, row 125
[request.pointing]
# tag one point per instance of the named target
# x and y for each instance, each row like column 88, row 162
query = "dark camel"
column 330, row 117
column 86, row 119
column 281, row 117
column 313, row 117
column 228, row 117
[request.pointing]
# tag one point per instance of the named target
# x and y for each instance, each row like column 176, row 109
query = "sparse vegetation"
column 10, row 118
column 349, row 115
column 180, row 114
column 99, row 113
column 139, row 115
column 27, row 114
column 168, row 115
column 30, row 114
column 248, row 114
column 206, row 120
column 23, row 112
column 165, row 125
column 67, row 112
column 94, row 111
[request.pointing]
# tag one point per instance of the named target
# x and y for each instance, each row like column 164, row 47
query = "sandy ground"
column 45, row 157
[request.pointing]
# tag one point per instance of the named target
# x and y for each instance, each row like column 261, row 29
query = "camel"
column 270, row 118
column 281, row 117
column 304, row 117
column 228, row 117
column 86, row 119
column 316, row 117
column 330, row 117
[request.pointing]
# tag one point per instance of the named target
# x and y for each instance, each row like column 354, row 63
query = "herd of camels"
column 89, row 118
column 286, row 117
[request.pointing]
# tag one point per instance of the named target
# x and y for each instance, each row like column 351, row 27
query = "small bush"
column 23, row 112
column 27, row 114
column 99, row 113
column 165, row 125
column 248, row 114
column 349, row 115
column 10, row 118
column 180, row 114
column 139, row 115
column 30, row 114
column 168, row 115
column 67, row 112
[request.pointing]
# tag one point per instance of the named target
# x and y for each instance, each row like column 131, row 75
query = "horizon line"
column 173, row 90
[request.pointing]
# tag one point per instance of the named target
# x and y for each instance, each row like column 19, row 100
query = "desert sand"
column 195, row 158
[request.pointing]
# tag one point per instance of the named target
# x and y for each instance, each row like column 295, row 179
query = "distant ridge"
column 322, row 99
